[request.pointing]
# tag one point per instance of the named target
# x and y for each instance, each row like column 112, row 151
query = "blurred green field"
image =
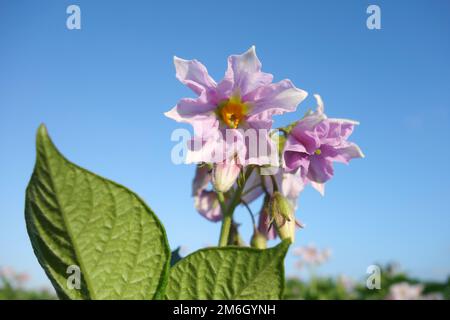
column 394, row 285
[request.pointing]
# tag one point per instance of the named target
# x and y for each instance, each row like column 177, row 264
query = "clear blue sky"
column 102, row 91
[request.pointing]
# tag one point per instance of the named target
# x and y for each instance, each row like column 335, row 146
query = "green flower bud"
column 258, row 240
column 280, row 207
column 282, row 214
column 287, row 230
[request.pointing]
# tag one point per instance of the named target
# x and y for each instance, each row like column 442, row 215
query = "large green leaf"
column 229, row 273
column 75, row 217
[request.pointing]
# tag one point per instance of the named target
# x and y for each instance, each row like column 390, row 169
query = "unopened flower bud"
column 287, row 230
column 265, row 226
column 258, row 240
column 224, row 175
column 282, row 216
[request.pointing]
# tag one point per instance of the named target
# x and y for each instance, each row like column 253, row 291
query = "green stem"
column 221, row 199
column 226, row 221
column 225, row 230
column 227, row 212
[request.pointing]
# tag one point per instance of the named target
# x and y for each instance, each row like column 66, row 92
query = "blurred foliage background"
column 395, row 285
column 13, row 286
column 381, row 282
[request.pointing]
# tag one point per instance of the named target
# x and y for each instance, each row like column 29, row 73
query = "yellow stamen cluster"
column 318, row 152
column 232, row 112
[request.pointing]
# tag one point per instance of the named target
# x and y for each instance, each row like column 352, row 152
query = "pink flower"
column 245, row 99
column 347, row 283
column 207, row 204
column 7, row 272
column 316, row 142
column 205, row 201
column 201, row 179
column 22, row 278
column 311, row 255
column 405, row 291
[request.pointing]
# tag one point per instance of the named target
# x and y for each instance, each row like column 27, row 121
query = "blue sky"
column 102, row 91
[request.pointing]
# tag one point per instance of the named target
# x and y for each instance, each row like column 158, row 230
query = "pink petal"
column 347, row 153
column 320, row 169
column 206, row 148
column 201, row 179
column 320, row 187
column 277, row 98
column 264, row 225
column 208, row 206
column 244, row 74
column 305, row 132
column 197, row 112
column 253, row 187
column 295, row 154
column 292, row 185
column 194, row 75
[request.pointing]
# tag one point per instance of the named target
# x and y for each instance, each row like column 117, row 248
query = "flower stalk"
column 228, row 211
column 226, row 221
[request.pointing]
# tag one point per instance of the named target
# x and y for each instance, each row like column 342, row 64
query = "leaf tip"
column 42, row 132
column 44, row 142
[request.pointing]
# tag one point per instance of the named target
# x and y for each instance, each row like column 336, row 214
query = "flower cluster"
column 311, row 256
column 9, row 274
column 240, row 154
column 407, row 291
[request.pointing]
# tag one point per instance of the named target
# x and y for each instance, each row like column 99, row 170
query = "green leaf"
column 75, row 217
column 229, row 273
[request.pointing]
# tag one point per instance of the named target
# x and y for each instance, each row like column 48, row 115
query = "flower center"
column 318, row 152
column 232, row 111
